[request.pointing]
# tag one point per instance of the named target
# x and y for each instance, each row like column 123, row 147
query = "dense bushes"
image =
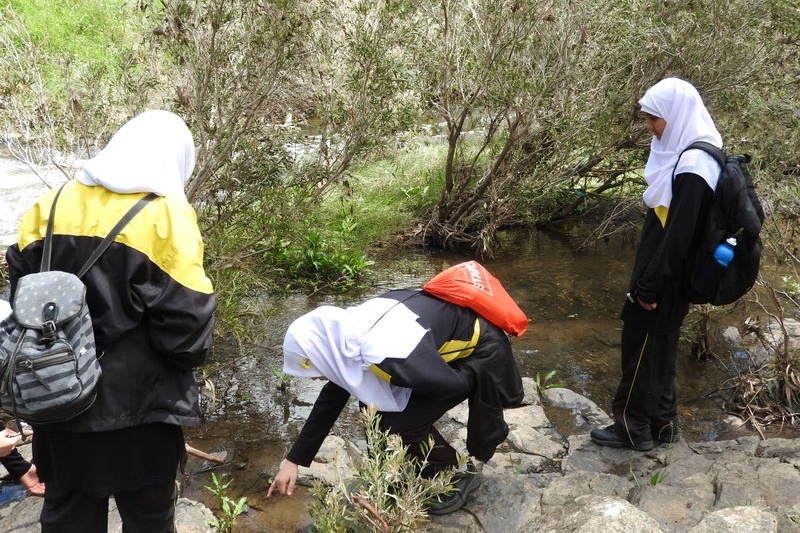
column 324, row 126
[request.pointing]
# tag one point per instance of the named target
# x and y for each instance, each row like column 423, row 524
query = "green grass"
column 87, row 34
column 90, row 30
column 388, row 194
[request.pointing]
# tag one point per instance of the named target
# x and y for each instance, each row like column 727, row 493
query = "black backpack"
column 735, row 212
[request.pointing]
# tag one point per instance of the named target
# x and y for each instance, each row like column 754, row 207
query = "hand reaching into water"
column 285, row 479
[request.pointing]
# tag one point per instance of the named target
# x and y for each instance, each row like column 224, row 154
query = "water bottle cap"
column 732, row 241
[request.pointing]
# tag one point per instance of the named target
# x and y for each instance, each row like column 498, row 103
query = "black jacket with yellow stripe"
column 461, row 356
column 151, row 303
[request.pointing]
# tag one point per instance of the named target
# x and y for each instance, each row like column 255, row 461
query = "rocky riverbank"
column 540, row 481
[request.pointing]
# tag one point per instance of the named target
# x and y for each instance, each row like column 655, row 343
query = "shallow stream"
column 572, row 299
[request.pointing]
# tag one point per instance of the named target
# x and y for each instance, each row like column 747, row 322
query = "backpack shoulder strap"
column 47, row 246
column 717, row 153
column 714, row 151
column 138, row 206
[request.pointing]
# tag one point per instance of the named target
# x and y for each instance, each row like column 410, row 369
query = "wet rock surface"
column 542, row 482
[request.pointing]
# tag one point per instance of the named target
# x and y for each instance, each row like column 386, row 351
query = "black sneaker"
column 611, row 438
column 464, row 483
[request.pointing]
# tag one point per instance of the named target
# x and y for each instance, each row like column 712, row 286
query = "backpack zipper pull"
column 27, row 364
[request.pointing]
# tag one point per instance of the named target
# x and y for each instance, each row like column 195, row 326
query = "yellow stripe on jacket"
column 457, row 349
column 85, row 211
column 450, row 351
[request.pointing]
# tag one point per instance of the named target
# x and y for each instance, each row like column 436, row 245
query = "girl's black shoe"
column 611, row 438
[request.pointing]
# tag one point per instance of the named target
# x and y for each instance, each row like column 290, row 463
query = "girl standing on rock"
column 152, row 310
column 680, row 187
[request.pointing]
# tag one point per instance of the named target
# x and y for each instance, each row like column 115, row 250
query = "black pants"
column 646, row 399
column 415, row 426
column 147, row 510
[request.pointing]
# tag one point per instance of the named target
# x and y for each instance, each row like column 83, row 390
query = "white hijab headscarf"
column 341, row 345
column 680, row 105
column 152, row 152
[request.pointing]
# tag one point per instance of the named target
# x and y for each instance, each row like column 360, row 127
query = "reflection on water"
column 572, row 298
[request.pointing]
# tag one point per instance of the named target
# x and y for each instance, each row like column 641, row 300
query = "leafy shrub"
column 386, row 494
column 322, row 258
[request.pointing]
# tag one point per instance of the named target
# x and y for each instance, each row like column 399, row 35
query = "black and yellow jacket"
column 461, row 356
column 151, row 303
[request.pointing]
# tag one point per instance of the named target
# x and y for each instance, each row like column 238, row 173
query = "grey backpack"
column 48, row 364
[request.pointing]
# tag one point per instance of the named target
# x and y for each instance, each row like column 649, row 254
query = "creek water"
column 572, row 296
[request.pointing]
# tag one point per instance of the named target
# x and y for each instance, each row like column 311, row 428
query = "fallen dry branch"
column 203, row 455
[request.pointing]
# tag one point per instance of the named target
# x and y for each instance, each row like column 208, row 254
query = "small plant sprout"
column 283, row 381
column 657, row 477
column 544, row 382
column 229, row 509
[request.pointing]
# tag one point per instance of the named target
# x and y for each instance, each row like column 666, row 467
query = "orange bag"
column 471, row 285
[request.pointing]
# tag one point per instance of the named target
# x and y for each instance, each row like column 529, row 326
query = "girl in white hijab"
column 414, row 357
column 687, row 120
column 152, row 309
column 680, row 187
column 121, row 167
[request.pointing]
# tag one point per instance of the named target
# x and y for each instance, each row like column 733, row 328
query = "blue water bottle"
column 723, row 254
column 705, row 280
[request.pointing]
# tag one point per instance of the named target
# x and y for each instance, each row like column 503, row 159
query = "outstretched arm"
column 8, row 441
column 21, row 469
column 327, row 408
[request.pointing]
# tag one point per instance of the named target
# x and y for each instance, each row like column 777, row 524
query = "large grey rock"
column 756, row 481
column 745, row 519
column 586, row 411
column 677, row 506
column 491, row 502
column 595, row 514
column 334, row 462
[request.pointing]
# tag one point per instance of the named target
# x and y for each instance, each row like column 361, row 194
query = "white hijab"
column 152, row 152
column 688, row 121
column 342, row 344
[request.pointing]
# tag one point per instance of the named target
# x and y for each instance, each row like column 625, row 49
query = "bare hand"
column 285, row 479
column 8, row 441
column 30, row 480
column 646, row 306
